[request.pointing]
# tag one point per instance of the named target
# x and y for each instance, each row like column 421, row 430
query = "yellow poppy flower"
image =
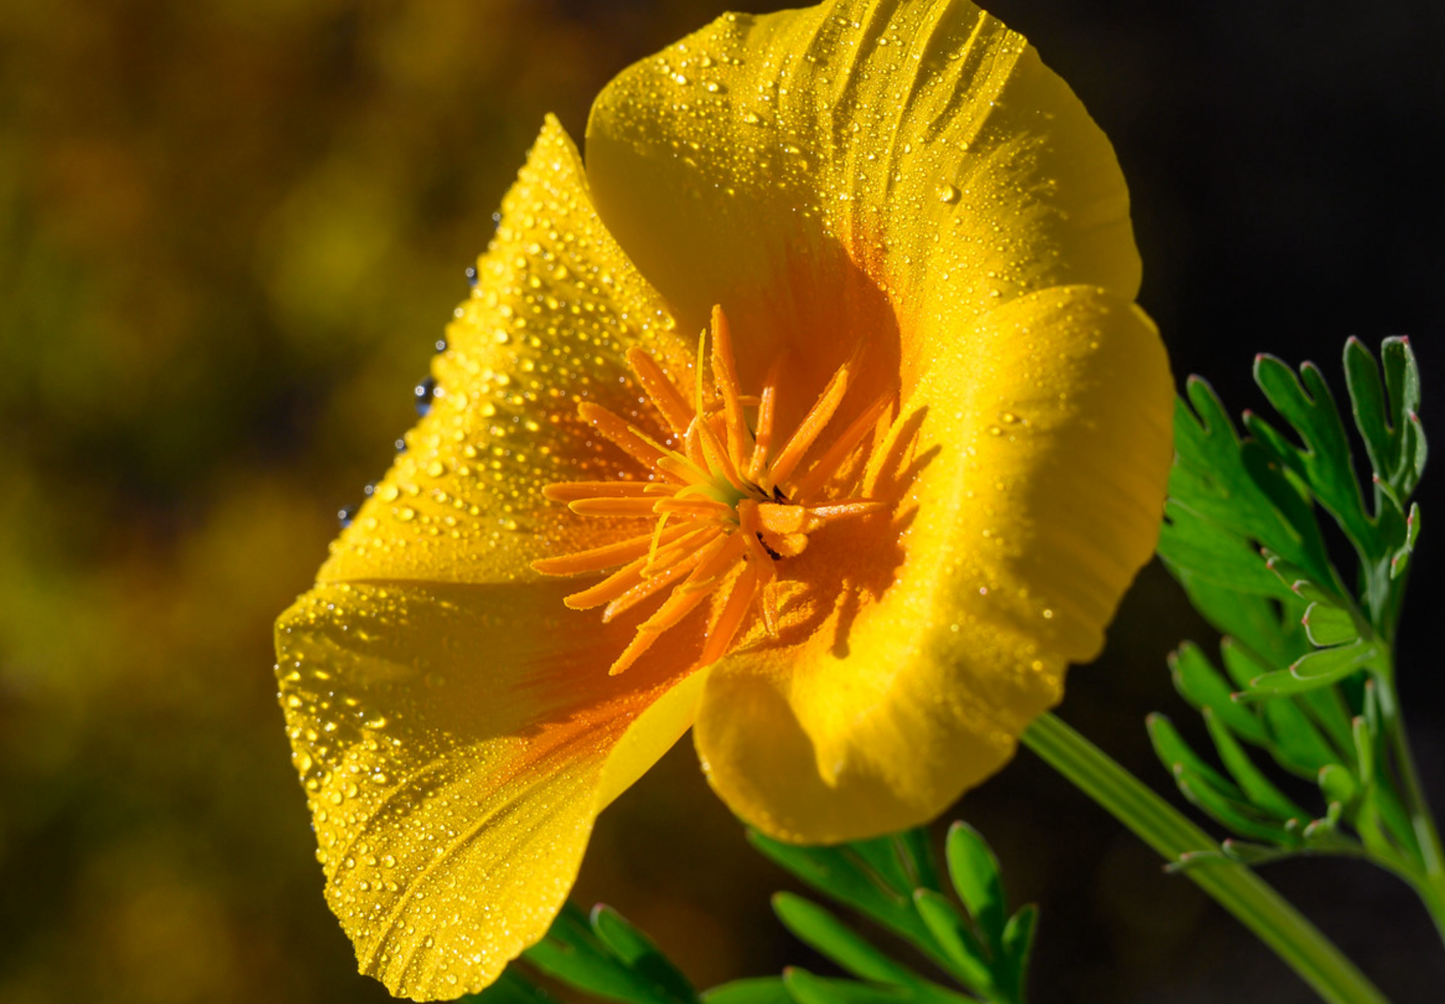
column 852, row 535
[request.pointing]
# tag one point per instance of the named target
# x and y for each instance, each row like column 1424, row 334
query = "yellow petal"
column 556, row 306
column 456, row 743
column 1033, row 492
column 763, row 161
column 454, row 724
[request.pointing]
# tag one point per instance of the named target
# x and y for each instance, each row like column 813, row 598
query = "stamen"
column 651, row 585
column 683, row 468
column 717, row 497
column 596, row 559
column 841, row 510
column 621, row 434
column 628, row 576
column 725, row 373
column 832, row 459
column 660, row 390
column 767, row 403
column 648, row 587
column 739, row 601
column 697, row 372
column 695, row 506
column 571, row 491
column 613, row 507
column 761, row 560
column 656, row 542
column 811, row 425
column 677, row 606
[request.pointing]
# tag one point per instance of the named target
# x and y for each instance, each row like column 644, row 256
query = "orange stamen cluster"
column 723, row 502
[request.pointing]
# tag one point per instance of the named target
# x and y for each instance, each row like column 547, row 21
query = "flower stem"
column 1431, row 883
column 1278, row 924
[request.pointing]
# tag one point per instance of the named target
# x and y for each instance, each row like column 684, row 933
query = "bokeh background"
column 230, row 232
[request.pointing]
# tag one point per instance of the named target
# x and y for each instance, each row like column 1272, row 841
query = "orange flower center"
column 728, row 506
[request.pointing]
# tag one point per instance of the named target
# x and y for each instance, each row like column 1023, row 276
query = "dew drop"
column 424, row 393
column 948, row 193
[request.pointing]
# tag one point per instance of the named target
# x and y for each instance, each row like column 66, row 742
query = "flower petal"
column 453, row 722
column 754, row 162
column 1032, row 496
column 456, row 743
column 556, row 306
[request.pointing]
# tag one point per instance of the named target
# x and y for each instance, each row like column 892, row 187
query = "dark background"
column 230, row 233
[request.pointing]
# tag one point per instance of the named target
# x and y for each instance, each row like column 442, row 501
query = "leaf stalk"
column 1278, row 924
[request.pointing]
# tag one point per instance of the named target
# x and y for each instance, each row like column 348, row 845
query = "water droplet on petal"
column 425, row 393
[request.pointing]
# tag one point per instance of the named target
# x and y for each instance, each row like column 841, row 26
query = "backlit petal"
column 556, row 306
column 761, row 161
column 453, row 721
column 456, row 743
column 1041, row 443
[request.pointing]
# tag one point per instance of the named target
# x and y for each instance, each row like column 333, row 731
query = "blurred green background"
column 230, row 232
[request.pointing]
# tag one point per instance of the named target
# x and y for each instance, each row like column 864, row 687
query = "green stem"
column 1279, row 925
column 1430, row 885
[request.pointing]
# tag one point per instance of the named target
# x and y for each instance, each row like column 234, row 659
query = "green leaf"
column 1327, row 708
column 1281, row 683
column 1210, row 476
column 573, row 953
column 844, row 876
column 1218, row 796
column 639, row 953
column 818, row 928
column 1365, row 750
column 512, row 988
column 1254, row 854
column 1190, row 541
column 1199, row 683
column 1018, row 947
column 1296, row 743
column 1238, row 816
column 1325, row 463
column 974, row 870
column 760, row 990
column 806, row 988
column 969, row 961
column 1400, row 560
column 1318, row 669
column 1326, row 626
column 1243, row 665
column 1390, row 428
column 904, row 861
column 1270, row 630
column 1338, row 784
column 1258, row 789
column 1402, row 380
column 915, row 850
column 1333, row 664
column 1179, row 757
